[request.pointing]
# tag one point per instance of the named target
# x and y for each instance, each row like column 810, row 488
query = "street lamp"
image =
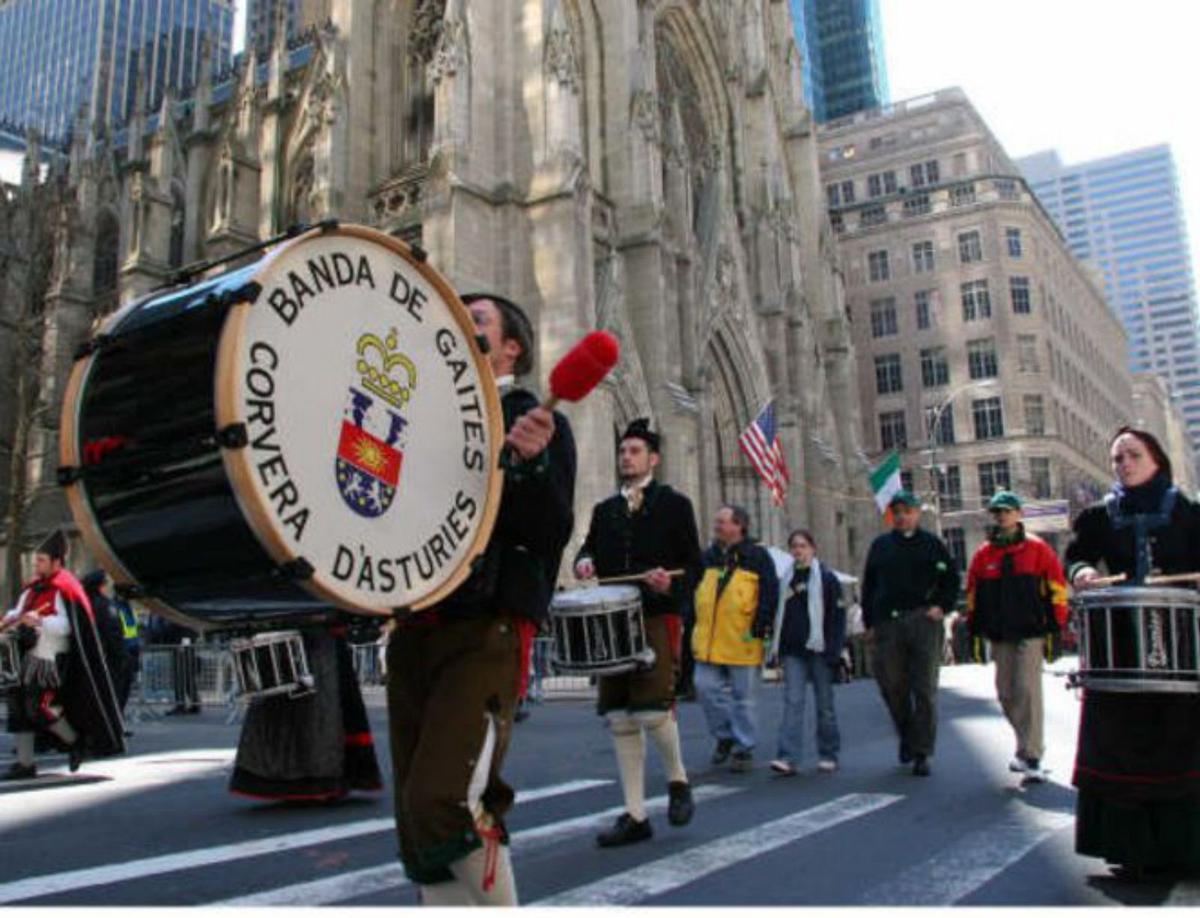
column 935, row 427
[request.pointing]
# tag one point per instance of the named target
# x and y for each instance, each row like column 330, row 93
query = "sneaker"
column 920, row 766
column 721, row 754
column 906, row 755
column 680, row 806
column 828, row 766
column 782, row 767
column 1017, row 765
column 1034, row 773
column 19, row 772
column 75, row 756
column 626, row 831
column 742, row 761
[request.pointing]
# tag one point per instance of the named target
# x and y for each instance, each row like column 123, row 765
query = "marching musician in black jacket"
column 453, row 669
column 647, row 528
column 1138, row 762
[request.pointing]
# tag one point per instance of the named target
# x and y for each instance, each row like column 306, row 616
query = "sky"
column 1089, row 78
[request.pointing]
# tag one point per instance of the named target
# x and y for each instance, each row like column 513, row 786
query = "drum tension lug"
column 247, row 293
column 69, row 474
column 297, row 569
column 401, row 611
column 89, row 347
column 233, row 436
column 418, row 253
column 482, row 341
column 329, row 225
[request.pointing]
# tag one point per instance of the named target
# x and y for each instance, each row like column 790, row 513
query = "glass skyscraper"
column 56, row 55
column 1123, row 214
column 842, row 45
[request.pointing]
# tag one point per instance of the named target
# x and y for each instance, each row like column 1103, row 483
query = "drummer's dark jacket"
column 662, row 533
column 1174, row 548
column 904, row 573
column 517, row 571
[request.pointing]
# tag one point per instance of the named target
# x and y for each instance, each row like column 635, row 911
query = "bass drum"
column 316, row 431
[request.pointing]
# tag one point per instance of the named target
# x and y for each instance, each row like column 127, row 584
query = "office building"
column 841, row 42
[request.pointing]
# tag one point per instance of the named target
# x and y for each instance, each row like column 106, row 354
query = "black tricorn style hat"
column 640, row 428
column 55, row 545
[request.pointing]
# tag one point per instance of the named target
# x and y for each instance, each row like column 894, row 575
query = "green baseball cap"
column 907, row 498
column 1004, row 500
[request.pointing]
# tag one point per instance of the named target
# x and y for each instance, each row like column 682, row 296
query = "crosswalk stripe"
column 391, row 876
column 973, row 860
column 668, row 873
column 50, row 884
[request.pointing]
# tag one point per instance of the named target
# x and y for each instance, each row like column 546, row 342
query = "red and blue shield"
column 370, row 455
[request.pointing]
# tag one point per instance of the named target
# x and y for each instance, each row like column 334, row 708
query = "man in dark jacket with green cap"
column 909, row 584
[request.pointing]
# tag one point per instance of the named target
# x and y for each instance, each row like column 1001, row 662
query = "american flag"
column 761, row 446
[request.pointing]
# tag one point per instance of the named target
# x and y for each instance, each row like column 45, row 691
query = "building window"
column 873, row 215
column 836, row 223
column 993, row 477
column 981, row 358
column 1035, row 416
column 924, row 173
column 956, row 544
column 944, row 421
column 892, row 434
column 922, row 255
column 1007, row 189
column 877, row 266
column 988, row 417
column 949, row 485
column 926, row 316
column 935, row 368
column 1027, row 355
column 970, row 248
column 917, row 204
column 848, row 192
column 976, row 302
column 887, row 374
column 1018, row 288
column 961, row 195
column 1012, row 236
column 1039, row 474
column 883, row 317
column 906, row 479
column 881, row 183
column 833, row 194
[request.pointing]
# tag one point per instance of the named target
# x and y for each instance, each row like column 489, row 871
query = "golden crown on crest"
column 376, row 377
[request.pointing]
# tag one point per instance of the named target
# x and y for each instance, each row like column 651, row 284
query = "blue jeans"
column 798, row 672
column 727, row 695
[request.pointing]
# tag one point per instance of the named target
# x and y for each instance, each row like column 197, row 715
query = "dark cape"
column 1137, row 765
column 88, row 697
column 318, row 747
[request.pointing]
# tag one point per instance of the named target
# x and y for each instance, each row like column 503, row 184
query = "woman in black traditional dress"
column 1138, row 762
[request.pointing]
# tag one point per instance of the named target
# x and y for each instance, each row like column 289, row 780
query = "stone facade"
column 1154, row 410
column 652, row 172
column 962, row 291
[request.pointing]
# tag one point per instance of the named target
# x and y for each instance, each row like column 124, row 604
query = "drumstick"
column 678, row 572
column 1107, row 581
column 1172, row 578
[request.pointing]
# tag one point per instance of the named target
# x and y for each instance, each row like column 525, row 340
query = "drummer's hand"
column 31, row 619
column 531, row 432
column 1084, row 578
column 659, row 581
column 585, row 569
column 935, row 613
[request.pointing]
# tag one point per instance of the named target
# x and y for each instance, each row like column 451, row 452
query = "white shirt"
column 54, row 636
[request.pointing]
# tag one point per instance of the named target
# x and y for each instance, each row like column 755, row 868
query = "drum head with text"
column 371, row 418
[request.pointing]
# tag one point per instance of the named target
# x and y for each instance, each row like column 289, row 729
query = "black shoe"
column 19, row 772
column 920, row 766
column 192, row 709
column 906, row 755
column 75, row 756
column 681, row 807
column 742, row 761
column 626, row 831
column 521, row 713
column 178, row 709
column 721, row 754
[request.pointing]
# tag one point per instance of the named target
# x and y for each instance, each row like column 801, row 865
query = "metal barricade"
column 184, row 675
column 368, row 663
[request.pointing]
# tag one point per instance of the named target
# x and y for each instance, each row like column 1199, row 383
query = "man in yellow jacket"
column 735, row 606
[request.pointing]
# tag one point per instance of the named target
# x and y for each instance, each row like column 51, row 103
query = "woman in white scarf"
column 810, row 628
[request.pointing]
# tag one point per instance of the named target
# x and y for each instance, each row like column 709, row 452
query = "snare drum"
column 318, row 430
column 271, row 663
column 1139, row 639
column 10, row 660
column 599, row 631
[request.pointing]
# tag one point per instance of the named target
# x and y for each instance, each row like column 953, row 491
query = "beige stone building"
column 971, row 318
column 644, row 166
column 1153, row 410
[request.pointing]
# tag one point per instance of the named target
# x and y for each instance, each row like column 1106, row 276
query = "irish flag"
column 885, row 480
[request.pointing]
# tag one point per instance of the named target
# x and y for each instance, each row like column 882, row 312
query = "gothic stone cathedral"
column 643, row 166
